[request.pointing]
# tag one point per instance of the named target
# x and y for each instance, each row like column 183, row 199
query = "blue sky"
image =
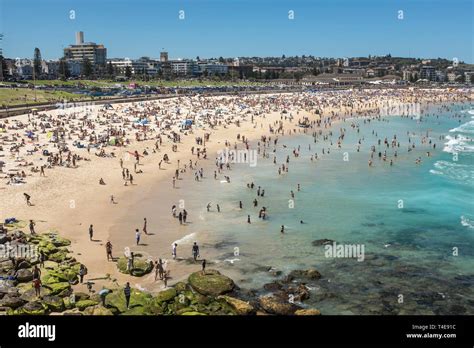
column 231, row 28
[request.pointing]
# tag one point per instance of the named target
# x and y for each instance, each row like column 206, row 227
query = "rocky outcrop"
column 271, row 304
column 141, row 266
column 211, row 283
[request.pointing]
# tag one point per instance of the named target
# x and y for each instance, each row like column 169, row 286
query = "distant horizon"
column 242, row 28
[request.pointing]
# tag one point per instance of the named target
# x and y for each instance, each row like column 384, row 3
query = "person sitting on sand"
column 101, row 181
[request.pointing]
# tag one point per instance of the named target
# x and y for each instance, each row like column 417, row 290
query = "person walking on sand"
column 165, row 278
column 137, row 236
column 82, row 273
column 108, row 249
column 127, row 291
column 32, row 227
column 203, row 266
column 91, row 232
column 144, row 225
column 195, row 251
column 173, row 252
column 160, row 269
column 27, row 198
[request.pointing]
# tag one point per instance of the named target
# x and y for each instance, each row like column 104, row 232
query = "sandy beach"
column 69, row 199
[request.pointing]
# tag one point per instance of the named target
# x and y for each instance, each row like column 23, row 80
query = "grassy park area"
column 25, row 96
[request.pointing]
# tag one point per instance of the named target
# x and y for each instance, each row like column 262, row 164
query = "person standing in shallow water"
column 174, row 251
column 195, row 251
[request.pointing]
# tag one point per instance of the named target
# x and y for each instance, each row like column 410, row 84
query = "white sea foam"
column 467, row 222
column 458, row 143
column 467, row 127
column 460, row 172
column 187, row 238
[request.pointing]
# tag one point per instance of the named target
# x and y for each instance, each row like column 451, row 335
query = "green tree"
column 87, row 69
column 63, row 69
column 37, row 63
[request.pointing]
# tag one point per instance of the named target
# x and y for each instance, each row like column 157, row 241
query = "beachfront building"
column 183, row 67
column 24, row 68
column 469, row 77
column 143, row 65
column 428, row 73
column 210, row 68
column 50, row 68
column 96, row 54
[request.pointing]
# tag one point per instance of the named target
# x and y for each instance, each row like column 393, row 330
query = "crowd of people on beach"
column 33, row 147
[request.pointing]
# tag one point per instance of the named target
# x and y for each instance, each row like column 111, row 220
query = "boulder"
column 30, row 294
column 73, row 311
column 24, row 275
column 33, row 308
column 116, row 300
column 79, row 296
column 97, row 310
column 24, row 264
column 81, row 305
column 309, row 311
column 54, row 303
column 11, row 301
column 311, row 274
column 165, row 295
column 61, row 288
column 59, row 256
column 181, row 286
column 5, row 266
column 240, row 307
column 211, row 283
column 141, row 266
column 193, row 313
column 272, row 305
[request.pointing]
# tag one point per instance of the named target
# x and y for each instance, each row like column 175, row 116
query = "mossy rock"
column 271, row 304
column 97, row 310
column 165, row 295
column 193, row 313
column 54, row 303
column 48, row 264
column 79, row 296
column 85, row 303
column 60, row 241
column 138, row 310
column 309, row 311
column 33, row 308
column 59, row 288
column 47, row 247
column 137, row 298
column 141, row 266
column 68, row 304
column 30, row 294
column 67, row 275
column 59, row 256
column 11, row 301
column 240, row 307
column 181, row 286
column 211, row 283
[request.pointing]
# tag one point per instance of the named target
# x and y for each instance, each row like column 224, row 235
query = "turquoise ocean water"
column 415, row 221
